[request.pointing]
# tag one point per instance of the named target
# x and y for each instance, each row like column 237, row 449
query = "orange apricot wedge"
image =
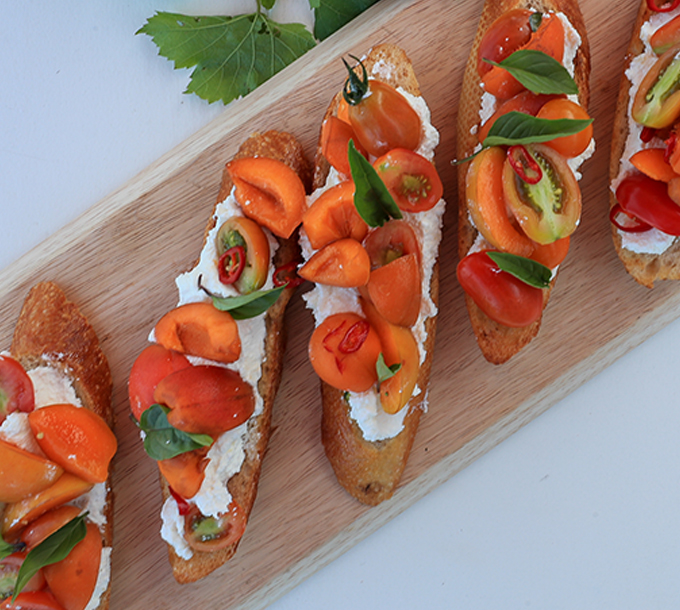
column 335, row 137
column 77, row 439
column 652, row 162
column 185, row 472
column 398, row 347
column 344, row 263
column 19, row 514
column 47, row 524
column 395, row 290
column 334, row 216
column 269, row 192
column 486, row 203
column 551, row 254
column 199, row 329
column 23, row 473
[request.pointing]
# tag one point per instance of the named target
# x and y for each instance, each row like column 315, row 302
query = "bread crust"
column 52, row 331
column 371, row 470
column 645, row 268
column 497, row 342
column 243, row 485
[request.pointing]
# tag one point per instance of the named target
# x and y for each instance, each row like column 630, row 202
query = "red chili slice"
column 525, row 166
column 647, row 134
column 182, row 504
column 231, row 264
column 633, row 225
column 664, row 8
column 287, row 274
column 354, row 338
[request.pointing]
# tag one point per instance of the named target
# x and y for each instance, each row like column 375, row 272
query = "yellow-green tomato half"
column 244, row 232
column 550, row 209
column 657, row 101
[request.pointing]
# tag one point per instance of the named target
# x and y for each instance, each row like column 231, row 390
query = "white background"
column 577, row 510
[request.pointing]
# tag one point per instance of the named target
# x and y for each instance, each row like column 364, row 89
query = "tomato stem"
column 356, row 86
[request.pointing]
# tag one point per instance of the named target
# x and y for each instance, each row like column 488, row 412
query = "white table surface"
column 576, row 510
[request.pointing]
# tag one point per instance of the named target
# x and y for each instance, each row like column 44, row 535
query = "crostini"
column 370, row 239
column 56, row 446
column 645, row 153
column 203, row 391
column 523, row 133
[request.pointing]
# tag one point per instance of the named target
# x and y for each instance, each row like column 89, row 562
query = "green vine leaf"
column 331, row 15
column 231, row 56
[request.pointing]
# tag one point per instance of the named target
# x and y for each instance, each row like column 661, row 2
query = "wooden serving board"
column 302, row 519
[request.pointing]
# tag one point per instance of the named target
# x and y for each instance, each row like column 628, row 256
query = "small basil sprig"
column 538, row 72
column 525, row 269
column 54, row 548
column 371, row 197
column 384, row 371
column 162, row 441
column 520, row 128
column 246, row 306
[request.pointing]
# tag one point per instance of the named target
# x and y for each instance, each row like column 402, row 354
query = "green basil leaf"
column 331, row 15
column 231, row 56
column 538, row 72
column 54, row 548
column 384, row 371
column 162, row 441
column 529, row 271
column 6, row 549
column 248, row 305
column 371, row 197
column 519, row 128
column 535, row 21
column 268, row 4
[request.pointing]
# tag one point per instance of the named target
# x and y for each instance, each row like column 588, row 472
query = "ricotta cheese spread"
column 228, row 453
column 652, row 241
column 324, row 301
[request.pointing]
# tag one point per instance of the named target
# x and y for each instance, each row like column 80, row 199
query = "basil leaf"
column 538, row 72
column 331, row 15
column 268, row 4
column 231, row 56
column 535, row 21
column 384, row 371
column 529, row 271
column 248, row 305
column 519, row 128
column 371, row 197
column 6, row 549
column 162, row 441
column 54, row 548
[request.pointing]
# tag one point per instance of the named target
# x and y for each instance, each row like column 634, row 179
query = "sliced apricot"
column 269, row 192
column 344, row 350
column 19, row 514
column 72, row 580
column 185, row 472
column 206, row 399
column 549, row 38
column 395, row 290
column 551, row 254
column 398, row 347
column 23, row 473
column 199, row 329
column 152, row 364
column 77, row 439
column 342, row 263
column 334, row 216
column 653, row 163
column 335, row 137
column 47, row 524
column 486, row 203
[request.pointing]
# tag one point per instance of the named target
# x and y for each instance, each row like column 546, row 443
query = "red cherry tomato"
column 501, row 296
column 9, row 570
column 504, row 36
column 213, row 533
column 648, row 201
column 32, row 600
column 16, row 388
column 411, row 179
column 662, row 7
column 568, row 146
column 152, row 365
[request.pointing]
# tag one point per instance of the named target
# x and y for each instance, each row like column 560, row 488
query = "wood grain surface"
column 118, row 261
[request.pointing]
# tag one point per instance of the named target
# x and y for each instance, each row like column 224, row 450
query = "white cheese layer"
column 365, row 408
column 227, row 454
column 653, row 241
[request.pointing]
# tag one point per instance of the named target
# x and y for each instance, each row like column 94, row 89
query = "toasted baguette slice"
column 51, row 331
column 243, row 485
column 645, row 268
column 371, row 470
column 498, row 342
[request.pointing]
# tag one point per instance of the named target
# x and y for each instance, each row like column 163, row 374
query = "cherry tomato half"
column 32, row 600
column 568, row 146
column 505, row 35
column 16, row 388
column 213, row 533
column 411, row 179
column 657, row 101
column 648, row 201
column 501, row 296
